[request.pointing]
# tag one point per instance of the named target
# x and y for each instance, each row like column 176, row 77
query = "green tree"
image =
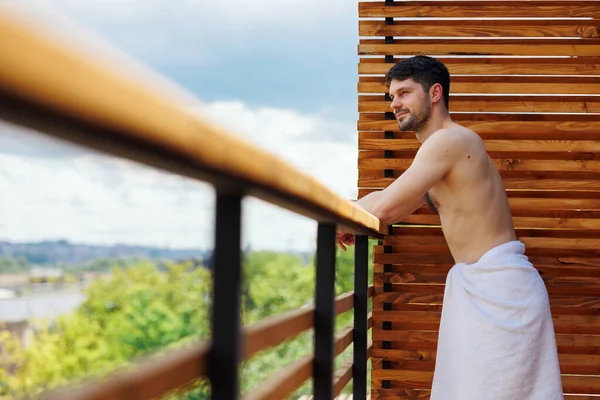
column 141, row 310
column 10, row 264
column 136, row 312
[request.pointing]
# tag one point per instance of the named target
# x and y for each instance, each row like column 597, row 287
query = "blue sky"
column 279, row 74
column 293, row 54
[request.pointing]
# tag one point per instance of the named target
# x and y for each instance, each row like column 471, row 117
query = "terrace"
column 526, row 78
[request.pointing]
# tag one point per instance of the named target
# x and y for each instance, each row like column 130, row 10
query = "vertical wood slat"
column 225, row 351
column 323, row 367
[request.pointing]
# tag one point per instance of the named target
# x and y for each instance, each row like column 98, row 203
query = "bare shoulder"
column 451, row 140
column 455, row 134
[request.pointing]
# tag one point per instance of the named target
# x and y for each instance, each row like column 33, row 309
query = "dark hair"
column 424, row 70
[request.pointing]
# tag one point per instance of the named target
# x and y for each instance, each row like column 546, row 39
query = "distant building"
column 46, row 275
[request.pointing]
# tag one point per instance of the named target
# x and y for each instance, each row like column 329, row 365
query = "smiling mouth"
column 399, row 115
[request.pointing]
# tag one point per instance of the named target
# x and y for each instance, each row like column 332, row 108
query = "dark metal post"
column 226, row 270
column 361, row 286
column 324, row 313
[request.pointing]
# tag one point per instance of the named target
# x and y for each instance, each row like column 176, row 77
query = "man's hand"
column 344, row 239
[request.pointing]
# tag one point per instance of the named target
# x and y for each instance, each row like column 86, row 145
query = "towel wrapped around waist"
column 496, row 339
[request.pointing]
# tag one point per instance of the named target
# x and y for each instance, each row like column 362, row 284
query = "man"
column 496, row 339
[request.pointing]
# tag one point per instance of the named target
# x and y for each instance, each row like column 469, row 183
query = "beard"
column 415, row 121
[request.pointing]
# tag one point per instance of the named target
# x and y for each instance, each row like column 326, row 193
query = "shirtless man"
column 452, row 169
column 496, row 338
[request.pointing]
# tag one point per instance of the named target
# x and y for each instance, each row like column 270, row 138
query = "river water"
column 40, row 302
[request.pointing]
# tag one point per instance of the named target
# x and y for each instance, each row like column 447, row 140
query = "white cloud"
column 86, row 197
column 309, row 142
column 97, row 199
column 52, row 190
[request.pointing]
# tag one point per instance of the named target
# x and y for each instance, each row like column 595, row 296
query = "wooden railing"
column 59, row 91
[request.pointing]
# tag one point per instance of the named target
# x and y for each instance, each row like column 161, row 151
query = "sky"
column 281, row 75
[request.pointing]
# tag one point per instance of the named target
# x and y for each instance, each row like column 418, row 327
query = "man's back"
column 471, row 201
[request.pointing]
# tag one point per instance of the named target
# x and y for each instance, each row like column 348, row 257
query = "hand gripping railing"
column 59, row 91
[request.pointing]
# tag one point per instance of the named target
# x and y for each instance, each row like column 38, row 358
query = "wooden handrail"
column 345, row 337
column 154, row 376
column 48, row 86
column 284, row 382
column 342, row 376
column 273, row 330
column 295, row 374
column 59, row 91
column 291, row 377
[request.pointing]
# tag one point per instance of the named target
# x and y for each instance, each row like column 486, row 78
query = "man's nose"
column 395, row 104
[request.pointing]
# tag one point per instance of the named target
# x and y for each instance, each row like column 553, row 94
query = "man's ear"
column 436, row 92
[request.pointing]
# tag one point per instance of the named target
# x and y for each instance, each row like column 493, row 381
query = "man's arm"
column 433, row 161
column 372, row 202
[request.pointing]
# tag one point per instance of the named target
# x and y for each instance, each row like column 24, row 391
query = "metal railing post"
column 225, row 351
column 324, row 313
column 361, row 283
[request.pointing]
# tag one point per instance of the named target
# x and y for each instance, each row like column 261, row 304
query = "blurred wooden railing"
column 47, row 86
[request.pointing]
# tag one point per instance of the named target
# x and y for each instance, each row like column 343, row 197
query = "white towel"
column 496, row 339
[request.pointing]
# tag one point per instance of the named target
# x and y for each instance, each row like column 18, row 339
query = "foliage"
column 141, row 310
column 10, row 264
column 135, row 312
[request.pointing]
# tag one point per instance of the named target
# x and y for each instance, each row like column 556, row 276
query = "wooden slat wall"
column 539, row 115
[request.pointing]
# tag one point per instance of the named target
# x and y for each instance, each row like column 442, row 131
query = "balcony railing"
column 47, row 86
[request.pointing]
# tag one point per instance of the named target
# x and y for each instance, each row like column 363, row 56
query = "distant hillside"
column 52, row 252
